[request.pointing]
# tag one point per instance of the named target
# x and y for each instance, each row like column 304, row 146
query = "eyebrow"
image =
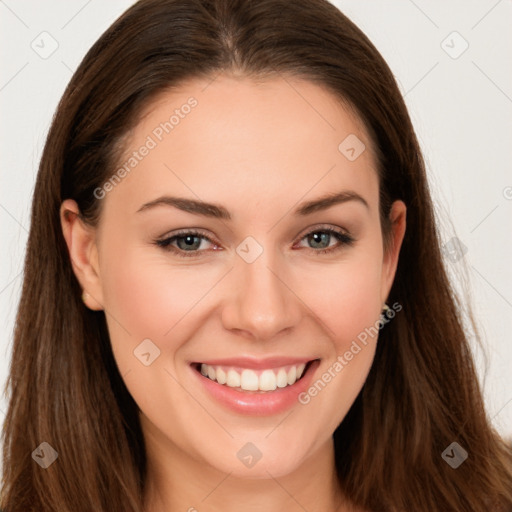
column 217, row 211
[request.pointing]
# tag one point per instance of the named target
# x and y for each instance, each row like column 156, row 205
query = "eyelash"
column 343, row 238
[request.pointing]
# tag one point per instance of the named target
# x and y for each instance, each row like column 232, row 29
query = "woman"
column 234, row 295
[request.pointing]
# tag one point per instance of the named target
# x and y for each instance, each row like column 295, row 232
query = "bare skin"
column 260, row 150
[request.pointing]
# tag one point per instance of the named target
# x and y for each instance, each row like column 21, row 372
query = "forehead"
column 231, row 135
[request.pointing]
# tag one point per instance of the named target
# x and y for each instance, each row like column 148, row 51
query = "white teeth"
column 292, row 375
column 221, row 376
column 233, row 379
column 251, row 380
column 268, row 381
column 282, row 378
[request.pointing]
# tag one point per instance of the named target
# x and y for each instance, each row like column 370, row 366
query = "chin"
column 259, row 460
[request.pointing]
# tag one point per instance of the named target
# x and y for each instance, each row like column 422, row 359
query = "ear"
column 397, row 216
column 81, row 241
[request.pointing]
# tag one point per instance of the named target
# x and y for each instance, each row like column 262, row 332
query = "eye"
column 321, row 237
column 186, row 241
column 189, row 242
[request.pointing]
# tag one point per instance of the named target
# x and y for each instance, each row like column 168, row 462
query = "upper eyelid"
column 322, row 227
column 192, row 231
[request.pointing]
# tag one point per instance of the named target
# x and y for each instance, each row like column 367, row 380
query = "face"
column 261, row 287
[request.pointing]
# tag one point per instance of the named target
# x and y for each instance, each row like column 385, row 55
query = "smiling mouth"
column 256, row 381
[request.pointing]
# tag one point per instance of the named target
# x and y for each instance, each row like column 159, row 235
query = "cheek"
column 148, row 296
column 345, row 296
column 346, row 300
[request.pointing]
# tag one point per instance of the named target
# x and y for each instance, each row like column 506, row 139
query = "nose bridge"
column 261, row 304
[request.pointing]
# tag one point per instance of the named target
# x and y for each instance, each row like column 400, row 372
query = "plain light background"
column 459, row 99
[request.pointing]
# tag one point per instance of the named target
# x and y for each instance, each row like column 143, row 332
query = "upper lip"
column 257, row 364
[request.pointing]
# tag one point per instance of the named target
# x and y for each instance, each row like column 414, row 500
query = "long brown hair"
column 422, row 392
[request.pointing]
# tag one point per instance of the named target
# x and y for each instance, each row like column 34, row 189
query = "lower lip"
column 258, row 403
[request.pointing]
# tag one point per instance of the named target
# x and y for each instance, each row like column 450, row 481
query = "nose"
column 261, row 303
